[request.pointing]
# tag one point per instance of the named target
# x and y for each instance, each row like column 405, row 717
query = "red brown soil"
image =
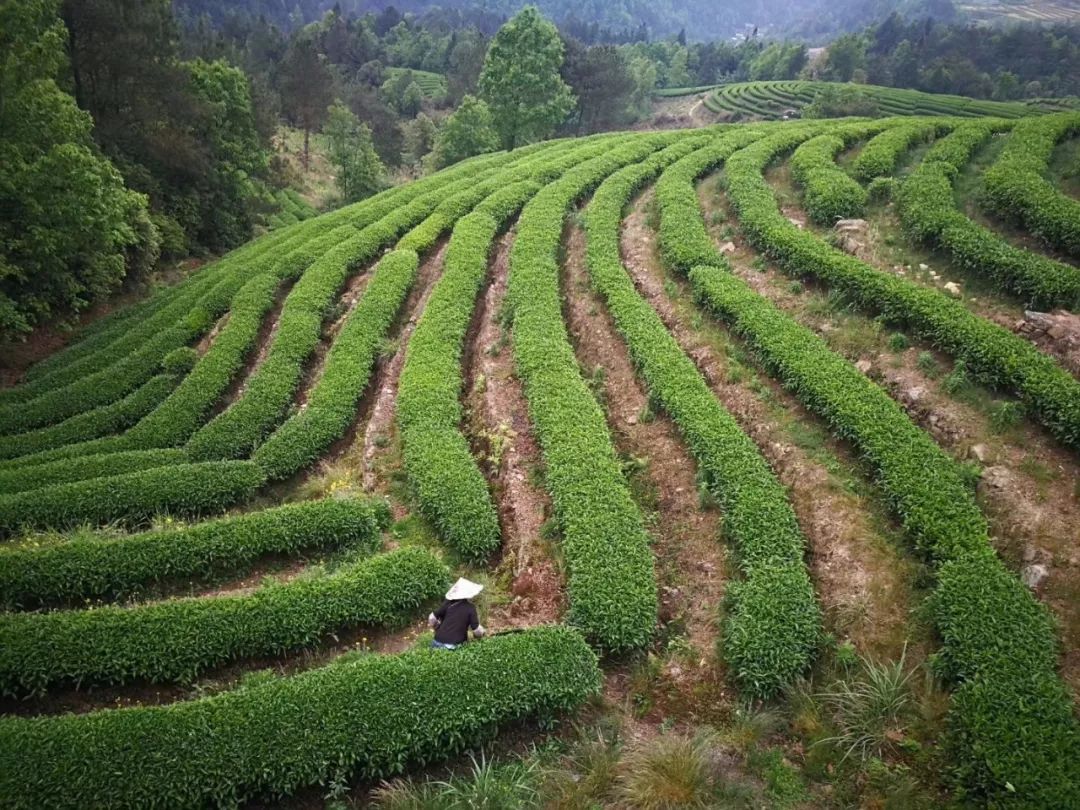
column 861, row 580
column 691, row 559
column 349, row 298
column 499, row 425
column 380, row 428
column 1029, row 491
column 263, row 341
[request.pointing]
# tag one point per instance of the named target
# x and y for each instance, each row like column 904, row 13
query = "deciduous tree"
column 520, row 81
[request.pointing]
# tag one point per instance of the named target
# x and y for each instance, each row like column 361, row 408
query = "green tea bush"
column 772, row 624
column 243, row 425
column 1016, row 186
column 331, row 403
column 829, row 193
column 880, row 156
column 929, row 214
column 982, row 611
column 178, row 639
column 448, row 485
column 100, row 421
column 188, row 489
column 114, row 568
column 612, row 590
column 993, row 354
column 179, row 361
column 369, row 717
column 83, row 467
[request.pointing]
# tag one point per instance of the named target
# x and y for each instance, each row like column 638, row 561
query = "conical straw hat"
column 464, row 589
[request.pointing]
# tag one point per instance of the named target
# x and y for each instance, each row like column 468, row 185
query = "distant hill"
column 701, row 19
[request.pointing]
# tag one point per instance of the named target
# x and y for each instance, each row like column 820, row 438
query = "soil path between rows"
column 691, row 559
column 380, row 428
column 862, row 581
column 501, row 433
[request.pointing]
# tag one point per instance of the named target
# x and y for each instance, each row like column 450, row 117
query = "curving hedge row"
column 117, row 325
column 77, row 469
column 881, row 154
column 929, row 214
column 187, row 489
column 1011, row 720
column 1016, row 186
column 243, row 425
column 114, row 568
column 829, row 193
column 448, row 485
column 331, row 405
column 610, row 579
column 100, row 421
column 178, row 639
column 369, row 717
column 773, row 623
column 996, row 355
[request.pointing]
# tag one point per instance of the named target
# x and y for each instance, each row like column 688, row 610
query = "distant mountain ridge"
column 700, row 19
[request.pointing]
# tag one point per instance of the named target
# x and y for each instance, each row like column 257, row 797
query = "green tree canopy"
column 352, row 151
column 469, row 131
column 70, row 230
column 520, row 81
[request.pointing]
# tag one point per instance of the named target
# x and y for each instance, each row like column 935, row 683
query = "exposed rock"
column 981, row 453
column 864, row 366
column 727, row 247
column 952, row 288
column 796, row 223
column 1033, row 575
column 1057, row 333
column 1000, row 478
column 852, row 236
column 924, row 267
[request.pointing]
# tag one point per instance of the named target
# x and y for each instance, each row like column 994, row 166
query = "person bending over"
column 456, row 616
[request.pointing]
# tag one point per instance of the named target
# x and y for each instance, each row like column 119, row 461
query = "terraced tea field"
column 639, row 386
column 773, row 99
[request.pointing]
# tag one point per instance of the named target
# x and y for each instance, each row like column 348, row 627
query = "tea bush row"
column 368, row 717
column 178, row 639
column 610, row 579
column 995, row 355
column 112, row 568
column 1017, row 188
column 772, row 623
column 929, row 214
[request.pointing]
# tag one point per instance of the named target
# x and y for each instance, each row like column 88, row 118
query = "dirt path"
column 691, row 558
column 1030, row 489
column 254, row 358
column 863, row 580
column 499, row 426
column 379, row 433
column 347, row 301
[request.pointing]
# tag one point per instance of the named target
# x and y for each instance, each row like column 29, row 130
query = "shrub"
column 928, row 212
column 78, row 469
column 880, row 156
column 99, row 421
column 179, row 361
column 612, row 591
column 993, row 354
column 773, row 624
column 993, row 630
column 357, row 717
column 178, row 639
column 243, row 426
column 188, row 489
column 829, row 193
column 114, row 568
column 1017, row 188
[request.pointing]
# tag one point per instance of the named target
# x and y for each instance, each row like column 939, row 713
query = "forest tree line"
column 132, row 135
